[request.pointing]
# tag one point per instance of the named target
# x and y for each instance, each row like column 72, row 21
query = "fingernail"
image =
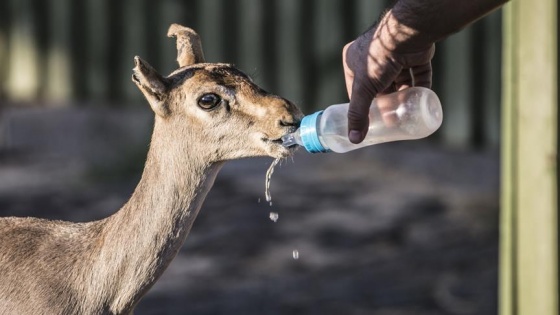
column 355, row 136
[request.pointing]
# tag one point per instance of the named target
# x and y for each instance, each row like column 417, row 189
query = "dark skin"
column 396, row 53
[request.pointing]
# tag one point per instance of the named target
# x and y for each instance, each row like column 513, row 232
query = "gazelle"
column 205, row 114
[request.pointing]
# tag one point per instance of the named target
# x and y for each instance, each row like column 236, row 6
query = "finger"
column 390, row 89
column 404, row 80
column 358, row 110
column 410, row 60
column 348, row 73
column 423, row 75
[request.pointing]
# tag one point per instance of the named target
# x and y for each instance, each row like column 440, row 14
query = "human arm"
column 396, row 52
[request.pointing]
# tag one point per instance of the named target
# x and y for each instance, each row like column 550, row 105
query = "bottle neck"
column 309, row 134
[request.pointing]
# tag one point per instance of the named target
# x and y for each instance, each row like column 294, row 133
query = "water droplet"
column 267, row 181
column 295, row 254
column 273, row 216
column 259, row 200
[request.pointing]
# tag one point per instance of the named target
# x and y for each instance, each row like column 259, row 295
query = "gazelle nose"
column 293, row 116
column 291, row 122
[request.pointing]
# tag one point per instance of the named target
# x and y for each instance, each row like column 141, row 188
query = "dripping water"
column 267, row 181
column 273, row 215
column 295, row 254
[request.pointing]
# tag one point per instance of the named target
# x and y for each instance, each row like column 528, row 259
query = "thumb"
column 358, row 111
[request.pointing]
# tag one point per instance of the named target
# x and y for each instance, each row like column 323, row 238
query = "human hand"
column 385, row 59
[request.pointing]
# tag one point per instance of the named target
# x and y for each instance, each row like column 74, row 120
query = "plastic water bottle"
column 408, row 114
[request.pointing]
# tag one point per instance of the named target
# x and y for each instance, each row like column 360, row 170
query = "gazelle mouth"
column 275, row 141
column 135, row 78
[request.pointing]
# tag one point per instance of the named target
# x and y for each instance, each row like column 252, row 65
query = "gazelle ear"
column 189, row 48
column 152, row 85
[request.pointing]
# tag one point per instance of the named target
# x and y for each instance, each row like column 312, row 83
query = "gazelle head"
column 214, row 107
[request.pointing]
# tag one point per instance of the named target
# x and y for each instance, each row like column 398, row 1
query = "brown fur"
column 106, row 266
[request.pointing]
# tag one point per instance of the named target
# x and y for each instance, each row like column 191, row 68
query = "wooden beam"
column 457, row 92
column 529, row 218
column 22, row 82
column 96, row 74
column 59, row 73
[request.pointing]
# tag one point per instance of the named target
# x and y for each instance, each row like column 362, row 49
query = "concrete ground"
column 395, row 229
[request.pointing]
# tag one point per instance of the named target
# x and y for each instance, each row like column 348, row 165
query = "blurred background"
column 63, row 53
column 402, row 228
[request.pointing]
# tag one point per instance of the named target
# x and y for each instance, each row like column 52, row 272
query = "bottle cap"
column 308, row 133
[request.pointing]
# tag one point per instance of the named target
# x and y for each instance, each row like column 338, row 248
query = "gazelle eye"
column 209, row 101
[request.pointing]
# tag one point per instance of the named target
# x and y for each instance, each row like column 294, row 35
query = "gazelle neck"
column 145, row 235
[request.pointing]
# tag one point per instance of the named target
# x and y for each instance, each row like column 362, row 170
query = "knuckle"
column 365, row 87
column 358, row 115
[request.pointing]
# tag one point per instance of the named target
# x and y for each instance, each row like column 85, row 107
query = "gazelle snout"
column 293, row 118
column 288, row 117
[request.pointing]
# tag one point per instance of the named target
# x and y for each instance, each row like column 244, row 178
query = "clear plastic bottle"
column 409, row 114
